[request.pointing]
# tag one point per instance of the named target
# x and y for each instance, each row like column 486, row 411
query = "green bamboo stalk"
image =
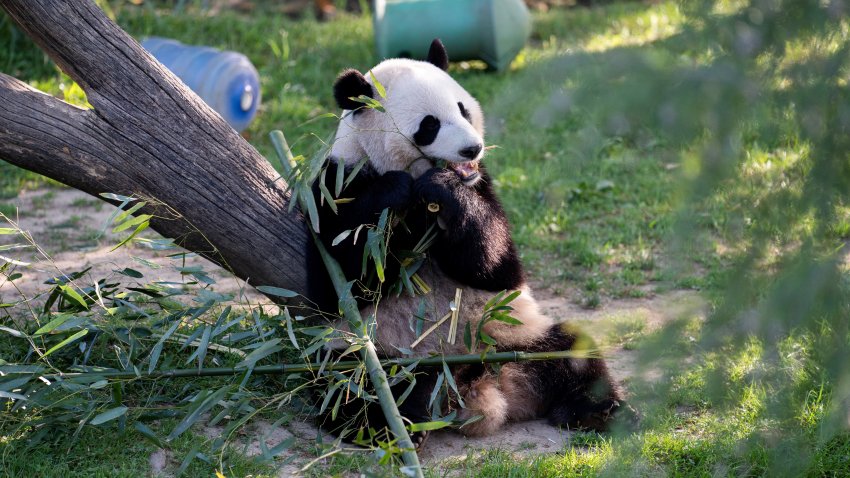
column 352, row 314
column 372, row 362
column 344, row 365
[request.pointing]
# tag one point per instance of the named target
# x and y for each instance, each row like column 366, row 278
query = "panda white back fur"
column 429, row 119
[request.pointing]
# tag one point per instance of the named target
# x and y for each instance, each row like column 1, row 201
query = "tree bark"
column 149, row 136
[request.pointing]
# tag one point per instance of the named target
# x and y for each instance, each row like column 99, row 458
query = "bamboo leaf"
column 13, row 261
column 73, row 294
column 340, row 177
column 13, row 332
column 341, row 237
column 13, row 396
column 188, row 460
column 192, row 337
column 406, row 392
column 329, row 199
column 510, row 298
column 12, row 247
column 277, row 291
column 507, row 319
column 351, row 349
column 486, row 338
column 338, row 402
column 357, row 233
column 378, row 86
column 264, row 351
column 309, row 202
column 467, row 336
column 129, row 212
column 493, row 300
column 132, row 222
column 328, row 396
column 356, row 169
column 109, row 415
column 289, row 330
column 427, row 426
column 437, row 386
column 131, row 273
column 148, row 433
column 451, row 381
column 204, row 402
column 65, row 342
column 141, row 227
column 377, row 256
column 202, row 348
column 10, row 385
column 281, row 147
column 61, row 319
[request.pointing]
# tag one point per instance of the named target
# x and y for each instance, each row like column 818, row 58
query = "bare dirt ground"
column 66, row 224
column 73, row 232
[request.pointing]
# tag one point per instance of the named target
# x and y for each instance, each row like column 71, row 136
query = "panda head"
column 428, row 118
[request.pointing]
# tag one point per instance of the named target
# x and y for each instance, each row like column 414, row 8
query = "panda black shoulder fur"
column 428, row 118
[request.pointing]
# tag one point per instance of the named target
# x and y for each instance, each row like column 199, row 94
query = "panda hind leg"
column 483, row 398
column 582, row 391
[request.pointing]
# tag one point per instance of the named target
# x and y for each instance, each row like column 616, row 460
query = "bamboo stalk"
column 436, row 361
column 357, row 326
column 372, row 362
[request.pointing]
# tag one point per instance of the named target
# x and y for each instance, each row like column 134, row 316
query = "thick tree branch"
column 149, row 136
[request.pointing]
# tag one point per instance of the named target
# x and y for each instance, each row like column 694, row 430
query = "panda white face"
column 428, row 119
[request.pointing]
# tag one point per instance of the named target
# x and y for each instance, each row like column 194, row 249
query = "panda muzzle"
column 467, row 170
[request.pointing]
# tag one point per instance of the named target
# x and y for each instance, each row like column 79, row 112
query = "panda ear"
column 351, row 83
column 437, row 55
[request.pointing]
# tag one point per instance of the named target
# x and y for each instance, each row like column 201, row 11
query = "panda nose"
column 470, row 151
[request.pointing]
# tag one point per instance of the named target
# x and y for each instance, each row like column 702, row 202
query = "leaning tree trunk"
column 148, row 136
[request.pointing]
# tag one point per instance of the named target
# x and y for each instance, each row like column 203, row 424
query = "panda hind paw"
column 601, row 417
column 419, row 438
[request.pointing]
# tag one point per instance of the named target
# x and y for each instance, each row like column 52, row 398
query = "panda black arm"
column 370, row 194
column 475, row 246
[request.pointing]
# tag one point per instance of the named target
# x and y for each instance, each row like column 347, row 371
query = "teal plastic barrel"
column 490, row 30
column 225, row 80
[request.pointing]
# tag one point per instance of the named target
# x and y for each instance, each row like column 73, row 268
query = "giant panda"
column 425, row 155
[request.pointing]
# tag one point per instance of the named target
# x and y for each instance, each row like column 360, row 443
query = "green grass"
column 595, row 209
column 109, row 453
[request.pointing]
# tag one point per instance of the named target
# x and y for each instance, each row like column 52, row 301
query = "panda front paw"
column 439, row 188
column 398, row 189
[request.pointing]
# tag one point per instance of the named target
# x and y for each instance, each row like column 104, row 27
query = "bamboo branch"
column 436, row 361
column 373, row 363
column 348, row 305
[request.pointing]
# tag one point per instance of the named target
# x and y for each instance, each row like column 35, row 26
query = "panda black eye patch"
column 464, row 112
column 427, row 132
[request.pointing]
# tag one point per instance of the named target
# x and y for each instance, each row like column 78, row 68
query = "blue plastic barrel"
column 225, row 80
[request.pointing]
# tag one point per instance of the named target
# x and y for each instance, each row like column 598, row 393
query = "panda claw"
column 419, row 439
